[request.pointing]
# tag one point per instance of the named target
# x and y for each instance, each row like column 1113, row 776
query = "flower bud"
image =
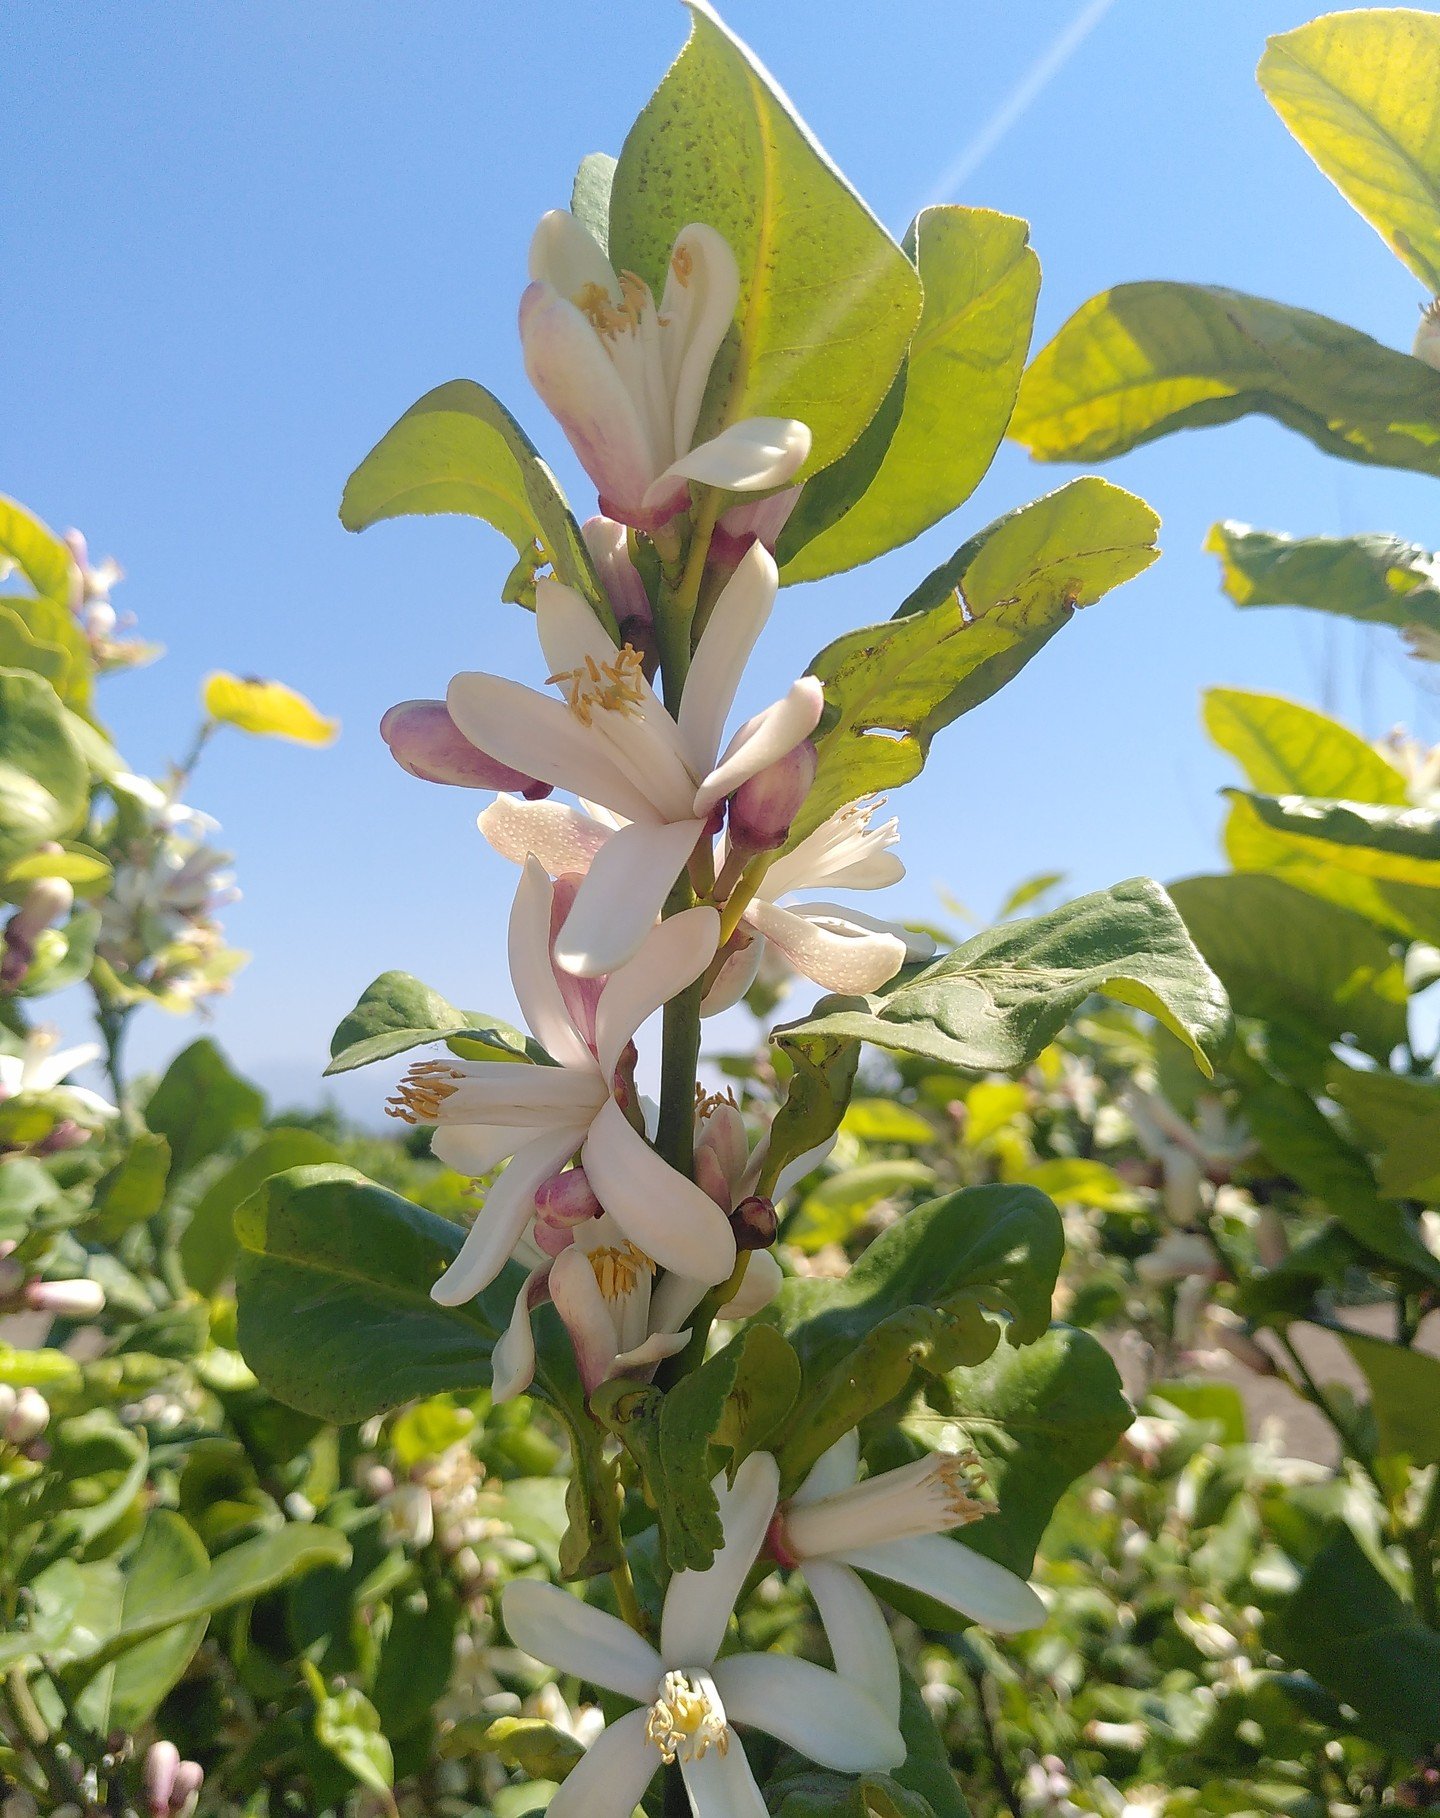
column 763, row 809
column 12, row 1277
column 161, row 1762
column 1427, row 335
column 47, row 901
column 427, row 743
column 609, row 547
column 77, row 1299
column 754, row 1223
column 24, row 1414
column 185, row 1795
column 1272, row 1245
column 567, row 1198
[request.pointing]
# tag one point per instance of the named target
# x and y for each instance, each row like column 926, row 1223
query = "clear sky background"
column 243, row 239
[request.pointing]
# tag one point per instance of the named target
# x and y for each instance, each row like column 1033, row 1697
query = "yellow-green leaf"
column 268, row 709
column 1285, row 748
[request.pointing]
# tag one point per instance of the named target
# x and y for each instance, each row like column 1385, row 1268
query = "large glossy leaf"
column 1393, row 845
column 398, row 1013
column 949, row 405
column 44, row 780
column 200, row 1104
column 828, row 302
column 208, row 1246
column 833, row 1211
column 964, row 632
column 128, row 1691
column 998, row 1000
column 1361, row 92
column 41, row 633
column 459, row 450
column 1285, row 748
column 1348, row 1628
column 1378, row 580
column 1400, row 1118
column 1404, row 1389
column 36, row 551
column 1143, row 360
column 1285, row 956
column 1038, row 1418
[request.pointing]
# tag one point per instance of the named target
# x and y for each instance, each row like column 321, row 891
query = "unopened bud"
column 1272, row 1245
column 77, row 1299
column 754, row 1223
column 1183, row 1175
column 609, row 546
column 24, row 1414
column 67, row 1134
column 754, row 521
column 426, row 742
column 763, row 809
column 161, row 1762
column 12, row 1277
column 185, row 1795
column 1427, row 336
column 567, row 1198
column 47, row 901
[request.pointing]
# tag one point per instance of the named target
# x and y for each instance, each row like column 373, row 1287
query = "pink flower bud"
column 763, row 810
column 609, row 549
column 567, row 1199
column 185, row 1795
column 754, row 1223
column 427, row 743
column 552, row 1239
column 24, row 1414
column 67, row 1134
column 47, row 901
column 754, row 521
column 78, row 1299
column 161, row 1763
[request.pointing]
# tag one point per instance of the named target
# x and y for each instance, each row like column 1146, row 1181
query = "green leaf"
column 884, row 1120
column 537, row 1748
column 1038, row 1419
column 833, row 1211
column 347, row 1726
column 209, row 1246
column 964, row 632
column 1285, row 748
column 819, row 1794
column 1401, row 1119
column 1288, row 957
column 1346, row 1626
column 22, row 648
column 956, row 392
column 1361, row 92
column 78, row 865
column 590, row 196
column 37, row 1369
column 200, row 1104
column 828, row 302
column 44, row 780
column 821, row 1080
column 926, row 1769
column 128, row 1691
column 1404, row 1397
column 45, row 636
column 133, row 1189
column 398, row 1013
column 459, row 450
column 998, row 1000
column 1393, row 845
column 1143, row 360
column 933, row 1291
column 97, row 1470
column 36, row 551
column 1379, row 580
column 415, row 1661
column 335, row 1314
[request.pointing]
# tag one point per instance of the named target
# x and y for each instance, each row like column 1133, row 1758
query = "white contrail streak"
column 1040, row 74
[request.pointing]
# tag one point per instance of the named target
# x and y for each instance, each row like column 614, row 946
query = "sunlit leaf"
column 1378, row 580
column 269, row 709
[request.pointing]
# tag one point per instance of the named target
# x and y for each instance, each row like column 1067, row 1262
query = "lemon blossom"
column 538, row 1116
column 892, row 1526
column 40, row 1067
column 611, row 741
column 626, row 381
column 688, row 1700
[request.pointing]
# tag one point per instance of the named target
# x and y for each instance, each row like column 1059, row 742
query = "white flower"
column 613, row 742
column 40, row 1067
column 1424, row 642
column 540, row 1116
column 1426, row 346
column 688, row 1698
column 626, row 382
column 892, row 1526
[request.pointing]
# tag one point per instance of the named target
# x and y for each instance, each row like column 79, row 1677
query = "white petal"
column 512, row 1092
column 512, row 1362
column 723, row 1786
column 858, row 1633
column 833, row 1471
column 568, row 365
column 658, row 1209
column 49, row 1069
column 475, row 1149
column 795, row 1171
column 575, row 1637
column 641, row 1358
column 622, row 894
column 750, row 456
column 736, row 621
column 770, row 735
column 674, row 1299
column 565, row 255
column 697, row 310
column 814, row 1710
column 610, row 1778
column 588, row 1316
column 568, row 630
column 533, row 975
column 830, row 945
column 951, row 1573
column 508, row 1206
column 761, row 1283
column 736, row 975
column 673, row 955
column 698, row 1604
column 563, row 839
column 500, row 716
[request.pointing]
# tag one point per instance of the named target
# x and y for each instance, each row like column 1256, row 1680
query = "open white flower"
column 894, row 1526
column 540, row 1116
column 613, row 742
column 688, row 1698
column 40, row 1067
column 839, row 948
column 626, row 382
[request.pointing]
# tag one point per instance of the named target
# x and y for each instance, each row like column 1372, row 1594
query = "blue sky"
column 247, row 238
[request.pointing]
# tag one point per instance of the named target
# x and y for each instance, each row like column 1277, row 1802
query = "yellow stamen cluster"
column 605, row 315
column 682, row 1723
column 708, row 1103
column 682, row 263
column 618, row 1268
column 961, row 1476
column 422, row 1092
column 617, row 687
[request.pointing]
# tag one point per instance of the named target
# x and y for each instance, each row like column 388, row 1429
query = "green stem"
column 1420, row 1548
column 679, row 593
column 680, row 1036
column 113, row 1020
column 1349, row 1442
column 625, row 1595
